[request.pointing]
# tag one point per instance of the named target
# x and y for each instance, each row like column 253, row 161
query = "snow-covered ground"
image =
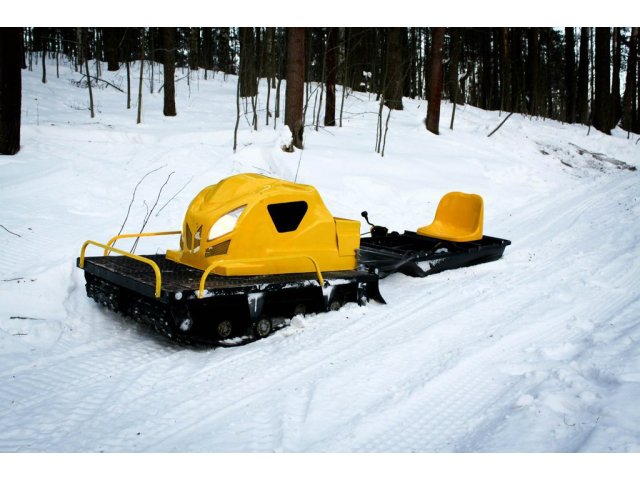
column 536, row 352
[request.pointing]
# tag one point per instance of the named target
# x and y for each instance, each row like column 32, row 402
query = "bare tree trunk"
column 630, row 90
column 602, row 104
column 532, row 73
column 128, row 85
column 11, row 60
column 435, row 92
column 454, row 60
column 235, row 129
column 248, row 87
column 44, row 62
column 583, row 77
column 394, row 78
column 345, row 70
column 323, row 83
column 268, row 42
column 332, row 71
column 276, row 108
column 152, row 58
column 83, row 37
column 505, row 96
column 194, row 41
column 167, row 38
column 295, row 84
column 86, row 68
column 616, row 107
column 570, row 74
column 139, row 119
column 112, row 37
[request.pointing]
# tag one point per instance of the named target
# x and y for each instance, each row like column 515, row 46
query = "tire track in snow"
column 472, row 386
column 294, row 375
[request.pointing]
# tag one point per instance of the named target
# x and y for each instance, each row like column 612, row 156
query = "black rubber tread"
column 161, row 316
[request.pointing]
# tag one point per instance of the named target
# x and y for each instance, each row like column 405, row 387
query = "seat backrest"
column 459, row 217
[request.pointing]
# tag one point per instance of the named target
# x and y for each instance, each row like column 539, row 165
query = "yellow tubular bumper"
column 221, row 262
column 109, row 248
column 111, row 242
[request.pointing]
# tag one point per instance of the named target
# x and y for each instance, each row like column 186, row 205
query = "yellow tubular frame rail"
column 251, row 260
column 111, row 242
column 108, row 248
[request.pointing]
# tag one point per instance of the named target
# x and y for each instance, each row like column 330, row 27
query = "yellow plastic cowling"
column 459, row 218
column 250, row 224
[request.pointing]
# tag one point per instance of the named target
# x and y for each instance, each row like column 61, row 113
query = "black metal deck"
column 178, row 278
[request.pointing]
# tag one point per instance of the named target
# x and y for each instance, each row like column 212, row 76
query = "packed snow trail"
column 537, row 351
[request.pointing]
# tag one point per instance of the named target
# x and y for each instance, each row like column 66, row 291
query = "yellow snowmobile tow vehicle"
column 255, row 251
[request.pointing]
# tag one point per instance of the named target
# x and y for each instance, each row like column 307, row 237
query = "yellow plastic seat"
column 459, row 218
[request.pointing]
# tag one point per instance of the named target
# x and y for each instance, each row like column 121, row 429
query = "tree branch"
column 133, row 197
column 498, row 127
column 101, row 80
column 12, row 233
column 144, row 224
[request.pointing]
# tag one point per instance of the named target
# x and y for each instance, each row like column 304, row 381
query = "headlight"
column 226, row 223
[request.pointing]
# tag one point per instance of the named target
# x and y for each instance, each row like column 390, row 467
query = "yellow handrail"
column 250, row 260
column 111, row 242
column 109, row 248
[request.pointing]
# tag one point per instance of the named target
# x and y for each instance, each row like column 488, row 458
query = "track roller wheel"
column 335, row 306
column 262, row 327
column 224, row 329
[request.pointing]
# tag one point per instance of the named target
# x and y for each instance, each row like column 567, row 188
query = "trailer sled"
column 454, row 239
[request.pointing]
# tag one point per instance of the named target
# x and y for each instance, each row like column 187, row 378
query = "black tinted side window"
column 287, row 216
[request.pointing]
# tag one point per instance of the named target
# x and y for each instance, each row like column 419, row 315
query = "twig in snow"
column 133, row 197
column 386, row 129
column 176, row 194
column 498, row 127
column 146, row 219
column 12, row 233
